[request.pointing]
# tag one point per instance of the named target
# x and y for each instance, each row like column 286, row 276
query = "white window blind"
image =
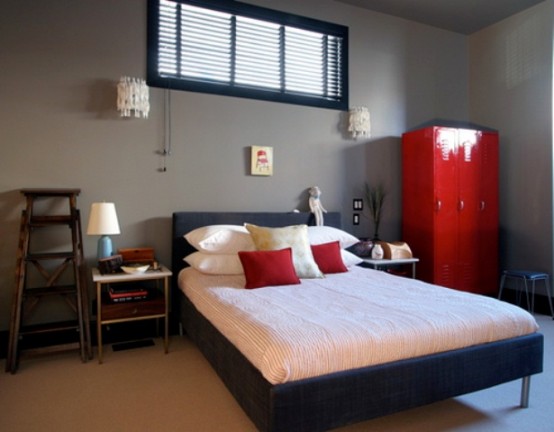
column 258, row 53
column 255, row 54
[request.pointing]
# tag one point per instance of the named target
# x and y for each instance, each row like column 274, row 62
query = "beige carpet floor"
column 145, row 390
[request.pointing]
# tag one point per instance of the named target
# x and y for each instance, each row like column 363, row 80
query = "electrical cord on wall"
column 166, row 152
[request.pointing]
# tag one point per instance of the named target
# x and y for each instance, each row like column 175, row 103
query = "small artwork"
column 262, row 161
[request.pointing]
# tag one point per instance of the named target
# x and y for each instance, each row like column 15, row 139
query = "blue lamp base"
column 105, row 248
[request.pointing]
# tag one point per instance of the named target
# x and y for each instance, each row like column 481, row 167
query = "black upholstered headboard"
column 183, row 222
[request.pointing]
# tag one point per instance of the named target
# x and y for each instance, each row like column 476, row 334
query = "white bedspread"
column 348, row 320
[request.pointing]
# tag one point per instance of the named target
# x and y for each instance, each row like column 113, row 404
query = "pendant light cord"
column 167, row 129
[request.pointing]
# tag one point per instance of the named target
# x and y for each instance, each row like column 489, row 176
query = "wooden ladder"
column 51, row 267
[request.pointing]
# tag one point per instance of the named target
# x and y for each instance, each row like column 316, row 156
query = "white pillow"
column 229, row 264
column 217, row 264
column 295, row 237
column 326, row 234
column 350, row 259
column 221, row 239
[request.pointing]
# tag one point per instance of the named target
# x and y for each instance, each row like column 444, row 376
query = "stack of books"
column 121, row 292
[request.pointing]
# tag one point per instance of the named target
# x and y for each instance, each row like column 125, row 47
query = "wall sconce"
column 133, row 97
column 103, row 222
column 358, row 122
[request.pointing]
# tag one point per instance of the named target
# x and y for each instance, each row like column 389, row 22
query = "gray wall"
column 511, row 90
column 60, row 63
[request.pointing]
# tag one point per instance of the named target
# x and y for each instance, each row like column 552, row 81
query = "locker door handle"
column 461, row 205
column 482, row 206
column 438, row 205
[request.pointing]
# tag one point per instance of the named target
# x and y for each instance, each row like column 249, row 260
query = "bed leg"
column 525, row 384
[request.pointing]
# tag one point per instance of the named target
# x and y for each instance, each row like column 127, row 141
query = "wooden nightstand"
column 153, row 307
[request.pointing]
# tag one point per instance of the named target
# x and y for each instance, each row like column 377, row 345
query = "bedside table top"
column 384, row 261
column 160, row 273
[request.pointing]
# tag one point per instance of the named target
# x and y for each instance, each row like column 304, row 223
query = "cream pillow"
column 326, row 234
column 216, row 264
column 295, row 237
column 349, row 259
column 220, row 239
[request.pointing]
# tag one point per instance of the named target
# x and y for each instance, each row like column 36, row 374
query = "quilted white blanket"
column 349, row 320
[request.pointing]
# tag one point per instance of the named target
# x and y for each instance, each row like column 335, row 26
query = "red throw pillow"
column 265, row 268
column 328, row 257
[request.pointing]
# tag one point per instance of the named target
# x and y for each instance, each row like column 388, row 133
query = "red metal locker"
column 445, row 212
column 489, row 213
column 450, row 206
column 468, row 193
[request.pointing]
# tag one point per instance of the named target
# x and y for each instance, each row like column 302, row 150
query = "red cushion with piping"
column 268, row 268
column 328, row 257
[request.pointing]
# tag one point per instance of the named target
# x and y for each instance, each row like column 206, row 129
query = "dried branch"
column 375, row 198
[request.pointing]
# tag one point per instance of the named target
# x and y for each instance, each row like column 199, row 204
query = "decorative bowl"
column 135, row 269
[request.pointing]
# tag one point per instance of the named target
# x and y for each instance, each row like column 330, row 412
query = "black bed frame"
column 341, row 398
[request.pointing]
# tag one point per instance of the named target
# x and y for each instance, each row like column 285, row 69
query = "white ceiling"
column 461, row 16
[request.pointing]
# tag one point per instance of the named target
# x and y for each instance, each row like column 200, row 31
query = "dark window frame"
column 157, row 79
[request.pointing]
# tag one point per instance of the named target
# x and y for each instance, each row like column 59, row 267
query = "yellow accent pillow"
column 295, row 237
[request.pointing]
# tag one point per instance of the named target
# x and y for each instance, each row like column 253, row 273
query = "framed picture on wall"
column 262, row 161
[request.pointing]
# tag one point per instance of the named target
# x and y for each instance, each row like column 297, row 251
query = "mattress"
column 346, row 321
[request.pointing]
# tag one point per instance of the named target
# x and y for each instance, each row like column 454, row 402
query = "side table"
column 381, row 264
column 155, row 306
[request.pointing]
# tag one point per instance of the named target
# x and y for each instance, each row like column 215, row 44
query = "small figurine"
column 315, row 205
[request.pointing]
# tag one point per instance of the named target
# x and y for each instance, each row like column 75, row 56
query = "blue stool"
column 528, row 276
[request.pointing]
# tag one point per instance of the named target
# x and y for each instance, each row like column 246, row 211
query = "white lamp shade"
column 103, row 219
column 133, row 97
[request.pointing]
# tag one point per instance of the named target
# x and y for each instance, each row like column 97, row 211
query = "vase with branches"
column 375, row 198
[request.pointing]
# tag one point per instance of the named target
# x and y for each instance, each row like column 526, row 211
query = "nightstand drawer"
column 126, row 310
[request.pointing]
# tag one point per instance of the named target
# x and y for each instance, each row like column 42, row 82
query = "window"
column 237, row 49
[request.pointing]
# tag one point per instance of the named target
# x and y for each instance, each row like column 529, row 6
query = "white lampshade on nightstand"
column 103, row 222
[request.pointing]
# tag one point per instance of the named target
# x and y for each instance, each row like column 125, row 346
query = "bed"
column 344, row 397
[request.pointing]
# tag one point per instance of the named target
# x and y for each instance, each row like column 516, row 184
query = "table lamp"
column 103, row 222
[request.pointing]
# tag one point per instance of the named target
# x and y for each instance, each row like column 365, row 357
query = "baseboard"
column 111, row 334
column 541, row 301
